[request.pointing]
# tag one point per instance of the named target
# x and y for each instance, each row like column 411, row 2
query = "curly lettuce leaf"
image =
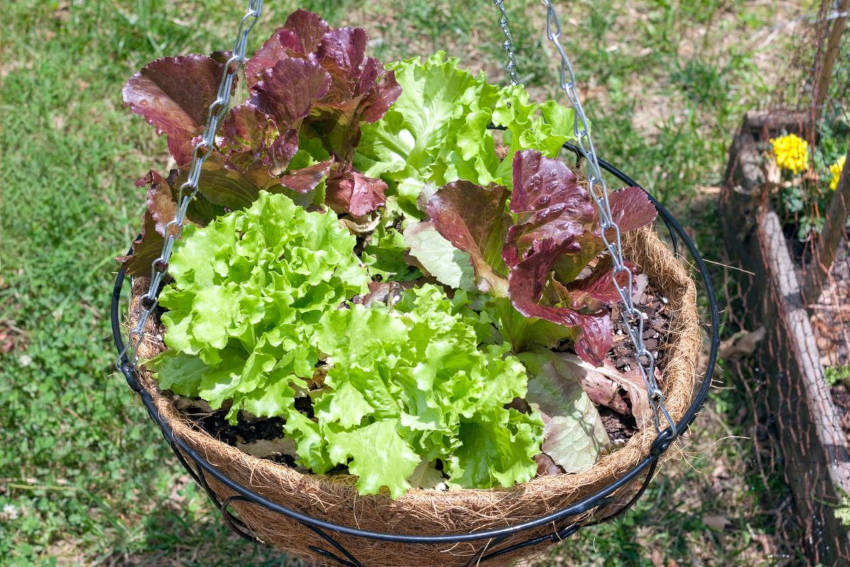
column 385, row 254
column 529, row 126
column 495, row 452
column 262, row 304
column 439, row 130
column 245, row 288
column 420, row 371
column 380, row 456
column 412, row 143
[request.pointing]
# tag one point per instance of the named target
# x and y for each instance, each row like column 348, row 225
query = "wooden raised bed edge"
column 815, row 450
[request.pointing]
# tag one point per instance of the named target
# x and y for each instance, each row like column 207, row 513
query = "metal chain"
column 633, row 318
column 188, row 190
column 508, row 44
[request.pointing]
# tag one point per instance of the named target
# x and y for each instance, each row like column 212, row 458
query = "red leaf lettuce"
column 311, row 87
column 545, row 257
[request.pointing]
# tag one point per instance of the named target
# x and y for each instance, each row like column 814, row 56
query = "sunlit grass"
column 84, row 476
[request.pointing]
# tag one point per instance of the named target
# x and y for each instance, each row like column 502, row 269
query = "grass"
column 84, row 476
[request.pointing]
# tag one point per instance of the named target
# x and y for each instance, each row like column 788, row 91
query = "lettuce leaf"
column 309, row 83
column 574, row 433
column 260, row 309
column 536, row 257
column 236, row 301
column 173, row 94
column 439, row 130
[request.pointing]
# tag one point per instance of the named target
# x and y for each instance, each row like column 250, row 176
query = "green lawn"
column 85, row 477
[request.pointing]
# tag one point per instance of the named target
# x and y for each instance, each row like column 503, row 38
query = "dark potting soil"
column 619, row 426
column 265, row 436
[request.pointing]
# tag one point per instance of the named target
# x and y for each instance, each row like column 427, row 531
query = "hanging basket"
column 324, row 519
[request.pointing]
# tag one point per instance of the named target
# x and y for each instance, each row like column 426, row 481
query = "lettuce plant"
column 539, row 256
column 441, row 129
column 311, row 90
column 366, row 259
column 258, row 317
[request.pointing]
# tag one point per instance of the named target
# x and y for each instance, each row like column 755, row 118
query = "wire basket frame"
column 566, row 521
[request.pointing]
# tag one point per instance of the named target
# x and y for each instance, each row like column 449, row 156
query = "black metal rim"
column 646, row 466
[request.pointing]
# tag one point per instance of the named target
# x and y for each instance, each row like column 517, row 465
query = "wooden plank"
column 817, row 460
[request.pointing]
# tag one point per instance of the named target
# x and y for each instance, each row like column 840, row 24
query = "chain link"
column 508, row 44
column 188, row 190
column 633, row 318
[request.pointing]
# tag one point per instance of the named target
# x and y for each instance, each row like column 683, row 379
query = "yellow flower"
column 835, row 170
column 792, row 153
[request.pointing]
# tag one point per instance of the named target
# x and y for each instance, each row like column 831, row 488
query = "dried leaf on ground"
column 740, row 344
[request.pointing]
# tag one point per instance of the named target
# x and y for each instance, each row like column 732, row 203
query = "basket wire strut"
column 564, row 522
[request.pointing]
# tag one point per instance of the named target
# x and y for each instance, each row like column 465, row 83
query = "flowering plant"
column 835, row 170
column 791, row 153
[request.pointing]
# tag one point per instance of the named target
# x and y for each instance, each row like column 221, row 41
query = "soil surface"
column 655, row 334
column 830, row 318
column 264, row 437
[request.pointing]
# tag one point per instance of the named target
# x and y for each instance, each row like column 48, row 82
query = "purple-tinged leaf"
column 246, row 129
column 573, row 431
column 341, row 53
column 174, row 95
column 309, row 28
column 546, row 466
column 525, row 287
column 282, row 150
column 592, row 294
column 388, row 293
column 550, row 204
column 225, row 186
column 595, row 338
column 555, row 223
column 353, row 193
column 603, row 391
column 337, row 120
column 145, row 249
column 474, row 220
column 289, row 90
column 159, row 200
column 604, row 383
column 631, row 208
column 306, row 179
column 376, row 104
column 253, row 144
column 281, row 45
column 541, row 183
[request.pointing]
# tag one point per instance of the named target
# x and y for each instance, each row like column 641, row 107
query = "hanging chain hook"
column 633, row 318
column 188, row 190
